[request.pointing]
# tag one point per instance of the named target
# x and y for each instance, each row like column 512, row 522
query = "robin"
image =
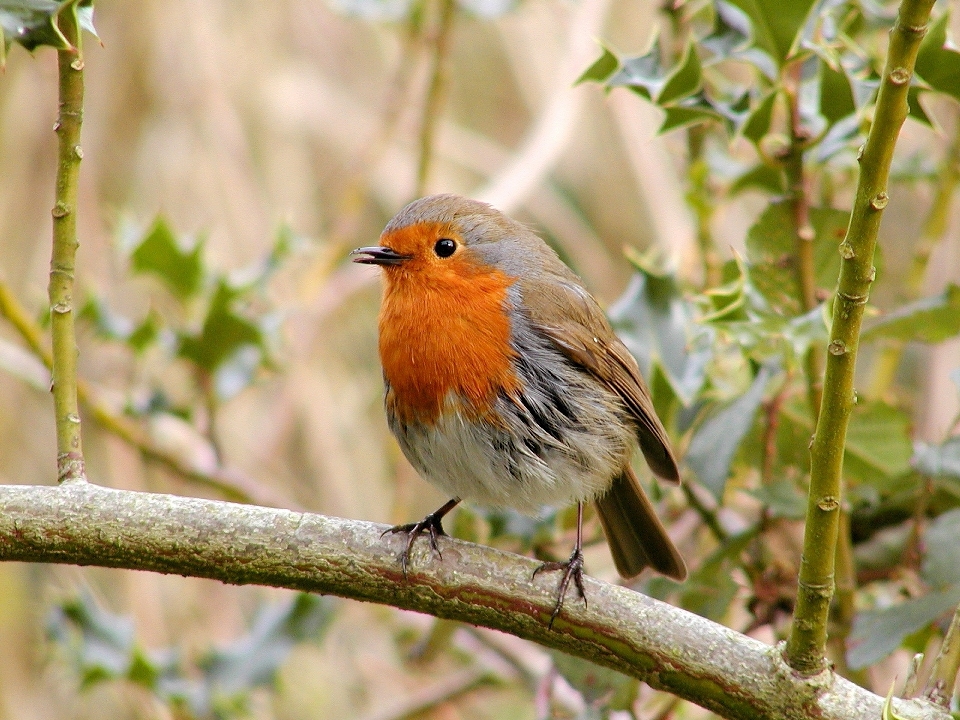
column 506, row 385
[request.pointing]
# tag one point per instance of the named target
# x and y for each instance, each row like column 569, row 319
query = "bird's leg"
column 431, row 524
column 572, row 569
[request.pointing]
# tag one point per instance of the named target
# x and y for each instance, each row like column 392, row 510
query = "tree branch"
column 666, row 647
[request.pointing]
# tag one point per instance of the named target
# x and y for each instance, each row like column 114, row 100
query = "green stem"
column 62, row 264
column 808, row 635
column 943, row 675
column 799, row 191
column 934, row 230
column 435, row 93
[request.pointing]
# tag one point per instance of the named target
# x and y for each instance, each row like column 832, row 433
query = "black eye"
column 445, row 247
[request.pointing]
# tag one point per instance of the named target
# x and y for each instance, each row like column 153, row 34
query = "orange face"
column 444, row 324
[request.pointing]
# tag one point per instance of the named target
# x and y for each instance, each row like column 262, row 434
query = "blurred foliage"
column 102, row 647
column 744, row 90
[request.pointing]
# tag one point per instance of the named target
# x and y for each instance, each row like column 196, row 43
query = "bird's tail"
column 635, row 534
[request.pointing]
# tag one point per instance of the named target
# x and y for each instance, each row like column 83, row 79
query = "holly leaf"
column 938, row 63
column 716, row 440
column 602, row 68
column 32, row 23
column 877, row 633
column 644, row 74
column 776, row 25
column 657, row 325
column 930, row 320
column 178, row 265
column 772, row 249
column 941, row 562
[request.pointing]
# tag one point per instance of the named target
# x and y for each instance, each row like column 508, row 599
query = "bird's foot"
column 572, row 570
column 431, row 525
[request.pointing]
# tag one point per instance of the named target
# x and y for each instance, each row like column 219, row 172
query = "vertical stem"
column 808, row 635
column 943, row 676
column 798, row 186
column 62, row 263
column 435, row 93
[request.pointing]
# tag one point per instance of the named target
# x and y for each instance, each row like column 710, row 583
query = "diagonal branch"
column 668, row 648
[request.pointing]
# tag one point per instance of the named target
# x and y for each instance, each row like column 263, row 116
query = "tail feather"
column 635, row 534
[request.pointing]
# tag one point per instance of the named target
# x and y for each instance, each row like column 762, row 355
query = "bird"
column 506, row 386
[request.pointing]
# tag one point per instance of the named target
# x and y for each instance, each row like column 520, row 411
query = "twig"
column 65, row 244
column 943, row 674
column 805, row 648
column 667, row 647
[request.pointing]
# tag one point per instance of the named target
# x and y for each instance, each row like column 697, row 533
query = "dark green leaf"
column 878, row 442
column 732, row 39
column 32, row 23
column 762, row 177
column 878, row 633
column 931, row 320
column 757, row 124
column 602, row 69
column 775, row 24
column 596, row 683
column 145, row 334
column 782, row 498
column 937, row 64
column 161, row 254
column 772, row 251
column 941, row 562
column 224, row 333
column 677, row 116
column 684, row 80
column 644, row 74
column 915, row 108
column 716, row 440
column 657, row 324
column 836, row 95
column 253, row 660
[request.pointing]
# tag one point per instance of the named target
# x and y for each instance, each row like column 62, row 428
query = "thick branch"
column 809, row 632
column 668, row 648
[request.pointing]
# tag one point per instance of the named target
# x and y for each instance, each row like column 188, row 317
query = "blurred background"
column 298, row 129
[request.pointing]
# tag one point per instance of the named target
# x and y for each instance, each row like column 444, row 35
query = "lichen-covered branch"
column 805, row 648
column 666, row 647
column 62, row 263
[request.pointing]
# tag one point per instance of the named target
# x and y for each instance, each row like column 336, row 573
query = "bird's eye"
column 445, row 247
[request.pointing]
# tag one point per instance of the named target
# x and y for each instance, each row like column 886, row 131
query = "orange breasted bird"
column 506, row 385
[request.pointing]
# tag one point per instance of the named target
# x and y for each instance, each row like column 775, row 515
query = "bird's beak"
column 378, row 256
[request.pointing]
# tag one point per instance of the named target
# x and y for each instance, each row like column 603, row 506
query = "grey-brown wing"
column 571, row 318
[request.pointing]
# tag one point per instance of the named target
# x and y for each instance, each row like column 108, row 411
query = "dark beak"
column 378, row 256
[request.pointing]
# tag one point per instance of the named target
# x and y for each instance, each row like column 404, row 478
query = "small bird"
column 506, row 385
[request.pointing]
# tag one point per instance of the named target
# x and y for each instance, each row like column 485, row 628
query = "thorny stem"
column 798, row 185
column 435, row 92
column 943, row 675
column 808, row 635
column 63, row 260
column 934, row 230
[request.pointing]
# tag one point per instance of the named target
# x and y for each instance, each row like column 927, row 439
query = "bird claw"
column 431, row 525
column 572, row 570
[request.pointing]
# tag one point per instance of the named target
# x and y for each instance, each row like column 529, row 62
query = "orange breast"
column 443, row 329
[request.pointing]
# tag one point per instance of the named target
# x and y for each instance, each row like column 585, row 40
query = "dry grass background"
column 232, row 117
